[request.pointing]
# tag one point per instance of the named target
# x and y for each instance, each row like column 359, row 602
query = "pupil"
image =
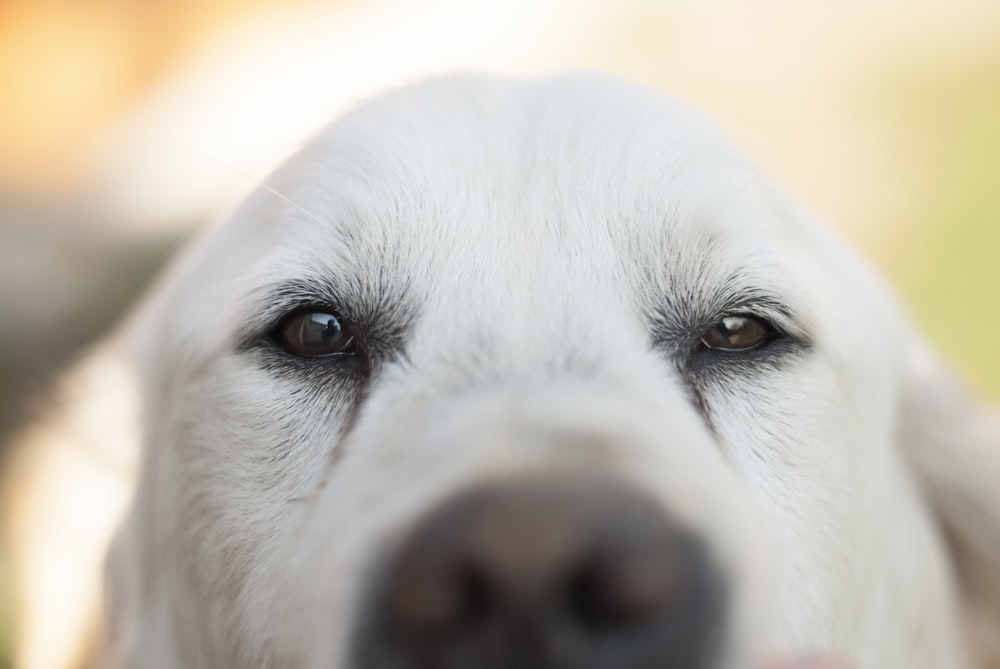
column 315, row 334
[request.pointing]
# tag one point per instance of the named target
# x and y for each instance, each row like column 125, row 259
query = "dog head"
column 500, row 374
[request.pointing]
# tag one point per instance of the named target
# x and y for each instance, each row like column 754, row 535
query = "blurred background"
column 127, row 124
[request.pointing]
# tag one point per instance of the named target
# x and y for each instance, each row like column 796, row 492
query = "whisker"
column 256, row 182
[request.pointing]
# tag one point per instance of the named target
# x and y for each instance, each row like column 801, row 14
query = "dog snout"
column 580, row 574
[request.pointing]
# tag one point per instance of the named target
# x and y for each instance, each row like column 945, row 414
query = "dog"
column 500, row 374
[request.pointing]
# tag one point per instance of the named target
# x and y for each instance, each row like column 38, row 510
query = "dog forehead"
column 546, row 153
column 573, row 173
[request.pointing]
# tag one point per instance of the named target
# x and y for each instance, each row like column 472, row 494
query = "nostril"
column 478, row 599
column 440, row 598
column 605, row 595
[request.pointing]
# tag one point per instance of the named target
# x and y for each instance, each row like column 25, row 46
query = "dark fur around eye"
column 752, row 333
column 314, row 343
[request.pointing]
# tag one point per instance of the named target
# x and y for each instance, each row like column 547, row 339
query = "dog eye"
column 738, row 332
column 315, row 334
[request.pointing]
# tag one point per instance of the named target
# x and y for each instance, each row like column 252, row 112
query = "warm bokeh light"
column 68, row 69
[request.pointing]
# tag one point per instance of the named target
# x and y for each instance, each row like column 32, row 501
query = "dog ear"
column 953, row 443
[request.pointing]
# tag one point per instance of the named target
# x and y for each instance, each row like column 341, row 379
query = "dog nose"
column 578, row 574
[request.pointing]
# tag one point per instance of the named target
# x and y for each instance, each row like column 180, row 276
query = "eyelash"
column 684, row 344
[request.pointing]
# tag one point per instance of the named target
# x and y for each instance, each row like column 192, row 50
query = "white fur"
column 534, row 234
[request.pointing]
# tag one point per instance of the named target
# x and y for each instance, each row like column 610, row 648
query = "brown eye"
column 315, row 334
column 738, row 333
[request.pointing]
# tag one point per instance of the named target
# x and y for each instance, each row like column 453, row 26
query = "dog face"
column 483, row 340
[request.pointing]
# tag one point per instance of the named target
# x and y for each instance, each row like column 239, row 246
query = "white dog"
column 500, row 375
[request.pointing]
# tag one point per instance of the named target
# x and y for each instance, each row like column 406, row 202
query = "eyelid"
column 779, row 316
column 285, row 314
column 283, row 300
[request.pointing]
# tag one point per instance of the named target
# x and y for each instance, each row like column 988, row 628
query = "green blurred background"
column 948, row 267
column 120, row 132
